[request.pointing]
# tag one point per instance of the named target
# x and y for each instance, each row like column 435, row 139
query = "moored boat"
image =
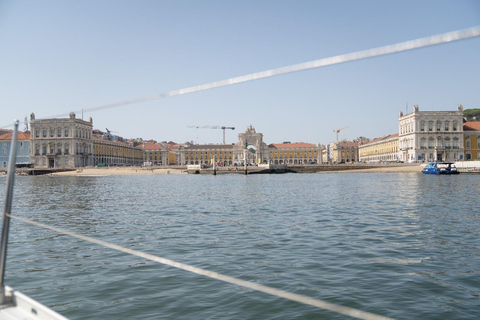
column 440, row 168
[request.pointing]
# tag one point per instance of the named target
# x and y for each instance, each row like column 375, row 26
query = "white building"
column 61, row 143
column 431, row 135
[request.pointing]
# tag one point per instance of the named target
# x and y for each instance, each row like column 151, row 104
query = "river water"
column 402, row 245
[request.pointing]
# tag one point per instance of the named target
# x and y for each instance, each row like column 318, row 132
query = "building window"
column 52, row 132
column 37, row 133
column 422, row 144
column 66, row 132
column 44, row 150
column 422, row 126
column 59, row 132
column 44, row 133
column 468, row 143
column 430, row 144
column 430, row 126
column 447, row 125
column 454, row 126
column 455, row 143
column 439, row 126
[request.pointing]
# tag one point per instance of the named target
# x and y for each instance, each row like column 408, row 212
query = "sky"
column 59, row 56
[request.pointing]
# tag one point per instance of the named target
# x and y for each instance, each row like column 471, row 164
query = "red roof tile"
column 153, row 146
column 20, row 136
column 291, row 145
column 471, row 126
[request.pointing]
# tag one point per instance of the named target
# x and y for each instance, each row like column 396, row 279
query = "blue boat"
column 440, row 168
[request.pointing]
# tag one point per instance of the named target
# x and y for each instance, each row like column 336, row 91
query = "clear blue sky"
column 61, row 56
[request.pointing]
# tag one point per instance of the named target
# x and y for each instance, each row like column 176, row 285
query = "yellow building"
column 293, row 153
column 116, row 153
column 380, row 149
column 205, row 153
column 155, row 154
column 344, row 152
column 471, row 135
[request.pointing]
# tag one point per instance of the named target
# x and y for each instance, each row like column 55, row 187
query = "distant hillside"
column 471, row 114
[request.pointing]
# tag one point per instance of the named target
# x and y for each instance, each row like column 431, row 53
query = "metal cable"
column 370, row 53
column 214, row 275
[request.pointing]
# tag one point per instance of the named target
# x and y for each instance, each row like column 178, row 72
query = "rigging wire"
column 214, row 275
column 359, row 55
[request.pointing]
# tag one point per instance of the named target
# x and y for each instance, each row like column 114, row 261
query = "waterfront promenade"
column 182, row 170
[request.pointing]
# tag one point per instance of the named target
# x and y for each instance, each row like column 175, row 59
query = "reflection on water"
column 400, row 245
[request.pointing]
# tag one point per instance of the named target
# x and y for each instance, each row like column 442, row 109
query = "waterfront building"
column 61, row 142
column 113, row 153
column 383, row 149
column 343, row 152
column 250, row 148
column 471, row 133
column 155, row 153
column 203, row 154
column 23, row 148
column 173, row 152
column 431, row 135
column 293, row 153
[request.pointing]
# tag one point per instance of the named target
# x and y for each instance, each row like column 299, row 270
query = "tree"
column 472, row 114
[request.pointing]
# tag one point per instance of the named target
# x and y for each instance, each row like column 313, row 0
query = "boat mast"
column 7, row 210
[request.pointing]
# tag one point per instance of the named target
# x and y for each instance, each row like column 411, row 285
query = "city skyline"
column 61, row 57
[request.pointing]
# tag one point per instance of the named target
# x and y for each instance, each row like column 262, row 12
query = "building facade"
column 61, row 143
column 116, row 153
column 380, row 149
column 23, row 148
column 471, row 133
column 293, row 153
column 343, row 152
column 431, row 135
column 205, row 153
column 251, row 149
column 155, row 154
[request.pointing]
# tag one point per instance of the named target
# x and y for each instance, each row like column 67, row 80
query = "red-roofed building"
column 471, row 134
column 293, row 153
column 155, row 154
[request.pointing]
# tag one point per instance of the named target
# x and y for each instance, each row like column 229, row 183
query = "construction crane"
column 214, row 127
column 338, row 130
